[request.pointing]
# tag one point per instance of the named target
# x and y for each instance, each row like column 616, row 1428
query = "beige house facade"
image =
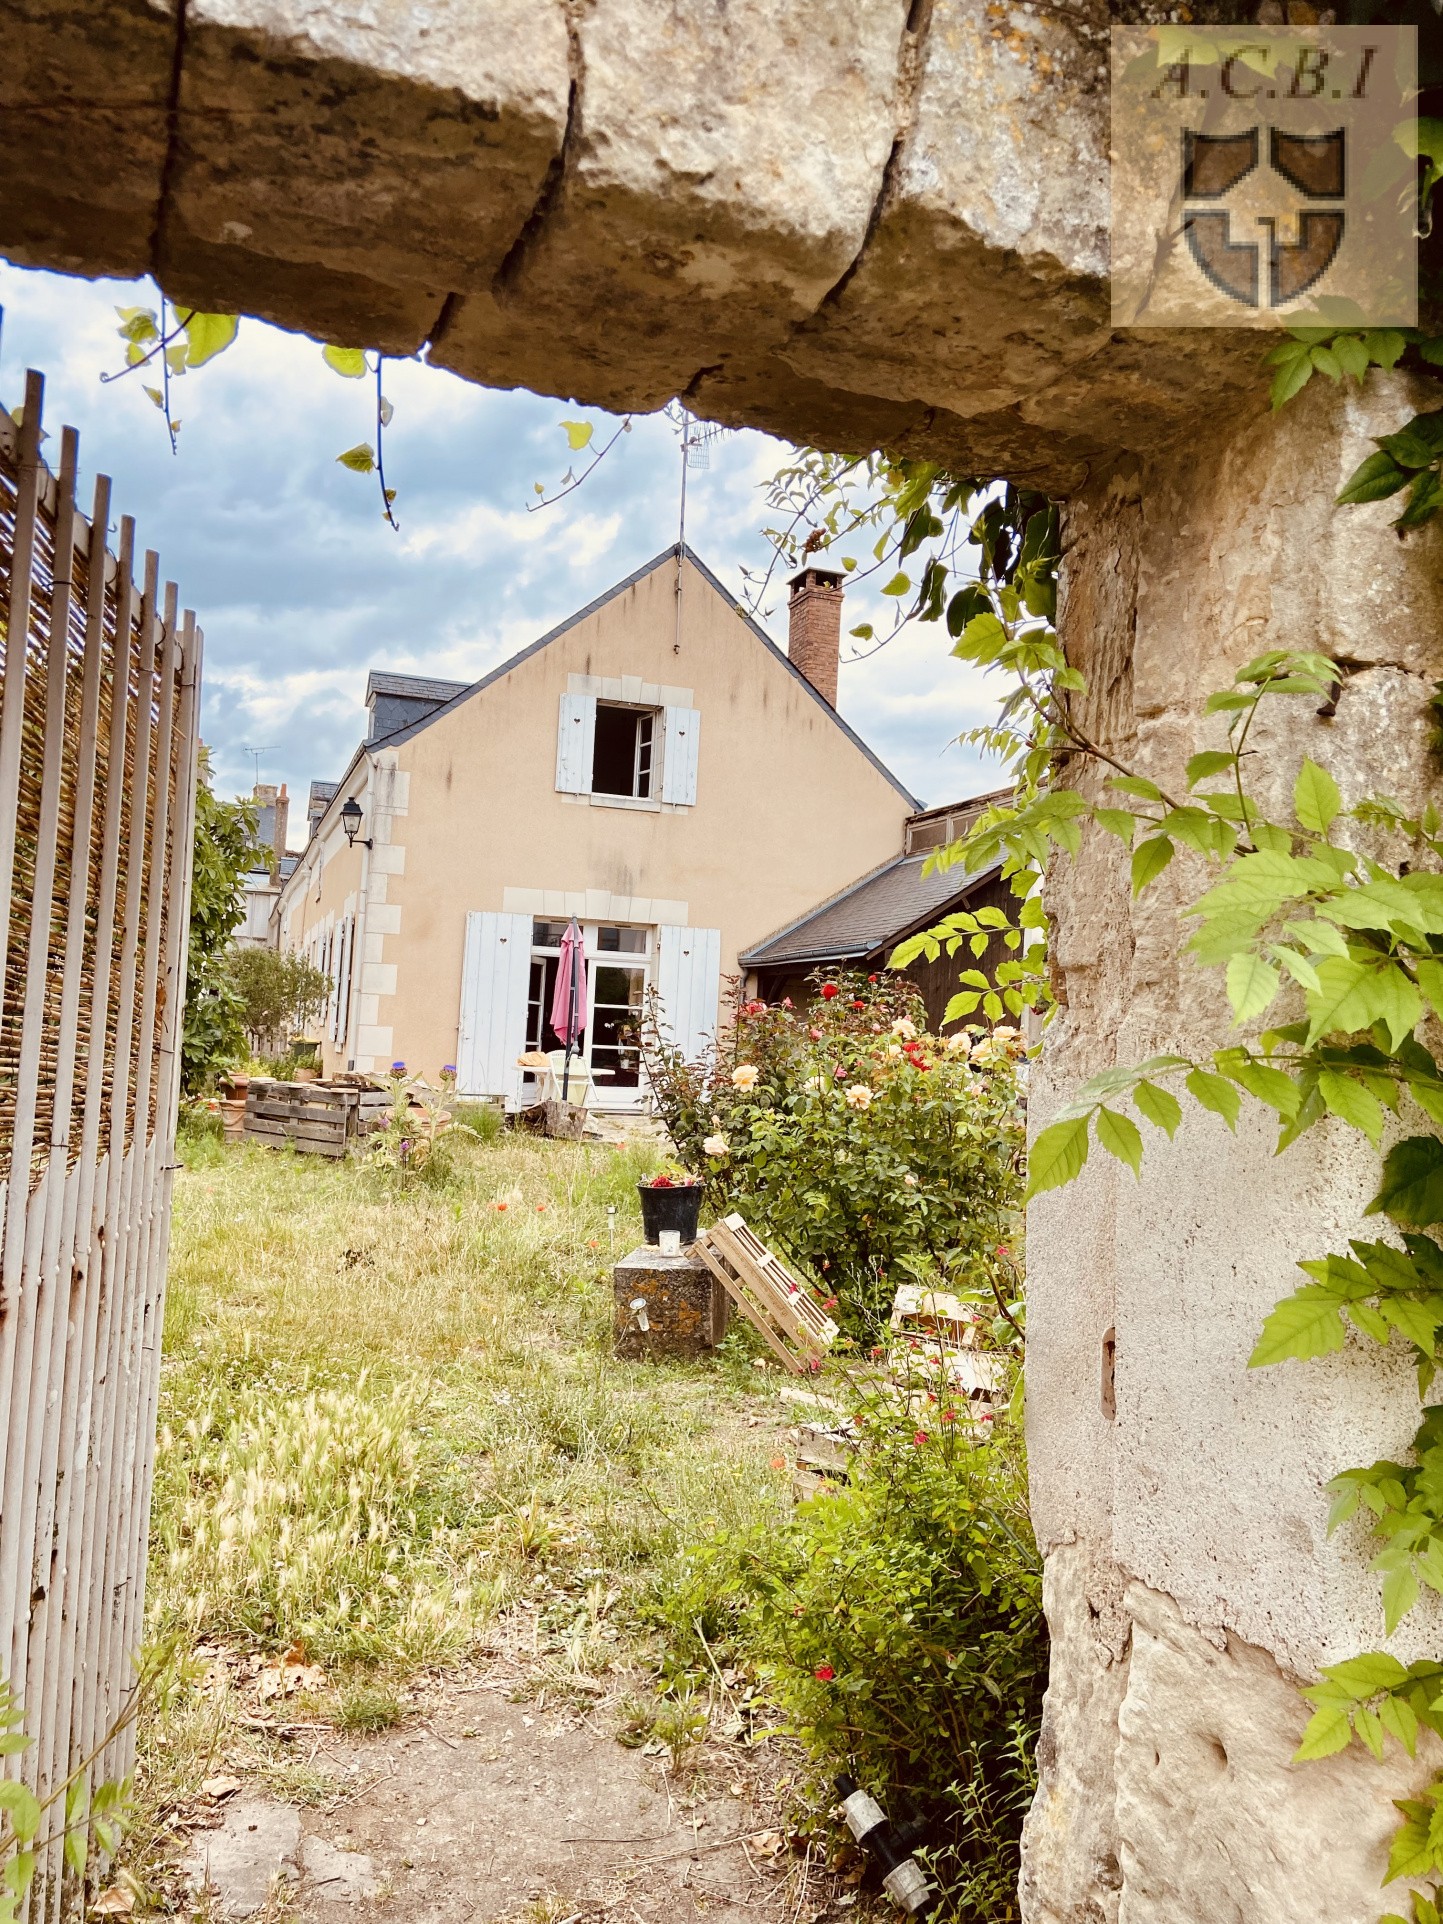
column 655, row 767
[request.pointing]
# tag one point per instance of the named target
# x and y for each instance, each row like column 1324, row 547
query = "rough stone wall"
column 1189, row 1582
column 852, row 222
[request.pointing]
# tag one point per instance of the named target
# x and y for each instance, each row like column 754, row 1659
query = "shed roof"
column 872, row 914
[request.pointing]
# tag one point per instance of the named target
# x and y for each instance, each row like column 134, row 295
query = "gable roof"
column 873, row 913
column 467, row 693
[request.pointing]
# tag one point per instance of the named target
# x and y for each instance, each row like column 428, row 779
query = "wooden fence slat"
column 102, row 1226
column 12, row 719
column 143, row 1339
column 73, row 1350
column 99, row 693
column 31, row 1411
column 131, row 1039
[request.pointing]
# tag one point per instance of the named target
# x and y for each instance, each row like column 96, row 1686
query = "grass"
column 390, row 1417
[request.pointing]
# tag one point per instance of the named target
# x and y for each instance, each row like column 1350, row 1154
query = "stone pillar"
column 1177, row 1495
column 685, row 1307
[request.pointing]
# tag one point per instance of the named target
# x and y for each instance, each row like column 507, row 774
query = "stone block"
column 687, row 1309
column 343, row 169
column 83, row 91
column 720, row 174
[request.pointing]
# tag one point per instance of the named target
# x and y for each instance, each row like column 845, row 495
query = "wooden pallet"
column 317, row 1120
column 791, row 1321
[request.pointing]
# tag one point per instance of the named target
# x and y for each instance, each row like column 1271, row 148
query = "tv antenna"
column 257, row 753
column 696, row 439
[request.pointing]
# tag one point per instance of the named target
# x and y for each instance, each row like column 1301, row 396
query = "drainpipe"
column 358, row 959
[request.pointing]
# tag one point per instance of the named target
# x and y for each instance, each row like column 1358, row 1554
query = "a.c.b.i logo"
column 1264, row 176
column 1279, row 266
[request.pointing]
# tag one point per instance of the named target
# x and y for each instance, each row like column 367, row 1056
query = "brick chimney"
column 814, row 636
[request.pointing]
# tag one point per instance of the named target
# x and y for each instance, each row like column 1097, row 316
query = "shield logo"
column 1214, row 169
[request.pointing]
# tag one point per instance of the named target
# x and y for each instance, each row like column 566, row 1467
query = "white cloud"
column 301, row 588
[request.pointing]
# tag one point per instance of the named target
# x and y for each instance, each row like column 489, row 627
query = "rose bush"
column 866, row 1148
column 894, row 1627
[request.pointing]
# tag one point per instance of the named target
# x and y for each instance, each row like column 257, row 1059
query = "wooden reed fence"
column 98, row 709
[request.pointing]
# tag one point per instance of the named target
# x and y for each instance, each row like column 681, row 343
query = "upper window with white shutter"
column 624, row 752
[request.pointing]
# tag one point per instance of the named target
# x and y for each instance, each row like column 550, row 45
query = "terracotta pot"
column 233, row 1117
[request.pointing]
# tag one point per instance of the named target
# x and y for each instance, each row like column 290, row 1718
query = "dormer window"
column 623, row 750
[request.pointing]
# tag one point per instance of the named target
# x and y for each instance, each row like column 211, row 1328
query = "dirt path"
column 492, row 1804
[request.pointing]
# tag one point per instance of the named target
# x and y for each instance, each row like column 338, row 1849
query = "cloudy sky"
column 301, row 587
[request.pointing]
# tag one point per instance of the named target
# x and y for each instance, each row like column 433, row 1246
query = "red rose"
column 824, row 1673
column 920, row 1438
column 949, row 1416
column 829, row 989
column 871, row 978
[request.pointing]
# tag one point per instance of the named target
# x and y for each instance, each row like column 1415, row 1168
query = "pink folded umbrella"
column 568, row 1005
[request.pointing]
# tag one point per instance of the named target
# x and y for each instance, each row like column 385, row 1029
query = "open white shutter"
column 341, row 993
column 495, row 978
column 688, row 985
column 575, row 743
column 678, row 756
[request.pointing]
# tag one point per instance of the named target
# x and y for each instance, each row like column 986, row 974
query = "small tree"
column 224, row 831
column 279, row 995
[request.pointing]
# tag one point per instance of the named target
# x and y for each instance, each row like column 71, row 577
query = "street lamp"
column 351, row 822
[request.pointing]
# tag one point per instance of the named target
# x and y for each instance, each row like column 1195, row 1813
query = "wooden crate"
column 792, row 1322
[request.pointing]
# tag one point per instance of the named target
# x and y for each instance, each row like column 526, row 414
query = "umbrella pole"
column 570, row 1031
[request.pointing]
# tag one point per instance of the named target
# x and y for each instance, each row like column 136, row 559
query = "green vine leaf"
column 1308, row 1323
column 1149, row 859
column 1057, row 1156
column 1158, row 1106
column 1411, row 1191
column 349, row 362
column 1252, row 985
column 1120, row 1136
column 1350, row 1102
column 1215, row 1094
column 1316, row 799
column 1373, row 480
column 360, row 459
column 207, row 335
column 578, row 434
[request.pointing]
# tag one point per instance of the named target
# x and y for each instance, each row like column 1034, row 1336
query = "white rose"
column 716, row 1146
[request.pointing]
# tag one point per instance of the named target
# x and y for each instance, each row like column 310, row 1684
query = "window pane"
column 618, row 987
column 643, row 754
column 613, row 762
column 547, row 935
column 622, row 941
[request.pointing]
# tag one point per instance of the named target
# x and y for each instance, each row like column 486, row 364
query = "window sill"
column 646, row 803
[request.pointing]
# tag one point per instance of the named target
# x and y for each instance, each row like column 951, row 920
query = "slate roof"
column 872, row 914
column 413, row 687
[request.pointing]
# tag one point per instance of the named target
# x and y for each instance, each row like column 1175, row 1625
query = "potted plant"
column 670, row 1201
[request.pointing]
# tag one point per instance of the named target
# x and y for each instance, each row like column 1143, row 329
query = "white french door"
column 619, row 963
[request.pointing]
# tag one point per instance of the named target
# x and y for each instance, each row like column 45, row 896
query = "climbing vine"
column 1325, row 922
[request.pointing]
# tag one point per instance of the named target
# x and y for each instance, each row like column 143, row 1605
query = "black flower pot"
column 678, row 1208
